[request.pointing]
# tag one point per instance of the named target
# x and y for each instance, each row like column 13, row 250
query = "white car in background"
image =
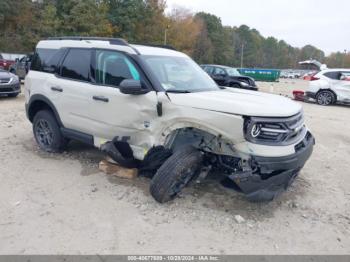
column 330, row 86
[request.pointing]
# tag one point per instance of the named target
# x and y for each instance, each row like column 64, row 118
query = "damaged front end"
column 269, row 176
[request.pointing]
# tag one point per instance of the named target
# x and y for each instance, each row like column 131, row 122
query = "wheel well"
column 330, row 90
column 232, row 84
column 200, row 139
column 37, row 106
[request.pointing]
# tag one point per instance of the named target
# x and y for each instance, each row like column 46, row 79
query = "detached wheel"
column 47, row 132
column 325, row 98
column 175, row 174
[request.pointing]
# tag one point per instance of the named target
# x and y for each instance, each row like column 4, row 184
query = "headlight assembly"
column 274, row 131
column 14, row 79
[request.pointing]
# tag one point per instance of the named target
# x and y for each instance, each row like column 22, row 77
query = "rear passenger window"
column 76, row 65
column 113, row 67
column 219, row 71
column 333, row 75
column 208, row 69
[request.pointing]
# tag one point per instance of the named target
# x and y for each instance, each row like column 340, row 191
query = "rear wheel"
column 175, row 174
column 47, row 132
column 325, row 98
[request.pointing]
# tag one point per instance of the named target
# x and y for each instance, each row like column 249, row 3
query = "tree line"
column 201, row 35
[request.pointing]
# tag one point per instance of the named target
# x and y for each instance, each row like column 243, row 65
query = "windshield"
column 232, row 72
column 180, row 74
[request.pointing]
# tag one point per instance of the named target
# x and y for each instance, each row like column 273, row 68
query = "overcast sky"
column 322, row 23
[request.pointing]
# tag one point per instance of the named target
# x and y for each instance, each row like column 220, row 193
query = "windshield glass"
column 180, row 74
column 232, row 72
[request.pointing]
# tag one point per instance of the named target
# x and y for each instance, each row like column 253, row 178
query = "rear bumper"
column 275, row 173
column 310, row 95
column 10, row 89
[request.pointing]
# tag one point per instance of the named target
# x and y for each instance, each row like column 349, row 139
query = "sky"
column 322, row 23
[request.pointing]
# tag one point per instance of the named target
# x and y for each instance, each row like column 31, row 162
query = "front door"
column 114, row 114
column 343, row 86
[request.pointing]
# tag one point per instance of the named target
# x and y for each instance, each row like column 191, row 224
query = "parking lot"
column 62, row 203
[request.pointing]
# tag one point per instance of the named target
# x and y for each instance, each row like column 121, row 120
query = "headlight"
column 14, row 79
column 272, row 131
column 244, row 84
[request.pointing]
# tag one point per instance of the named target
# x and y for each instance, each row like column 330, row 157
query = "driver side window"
column 113, row 67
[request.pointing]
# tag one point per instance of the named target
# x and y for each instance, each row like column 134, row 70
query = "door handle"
column 56, row 88
column 101, row 98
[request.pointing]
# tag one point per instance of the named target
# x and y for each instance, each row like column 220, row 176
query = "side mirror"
column 132, row 87
column 16, row 60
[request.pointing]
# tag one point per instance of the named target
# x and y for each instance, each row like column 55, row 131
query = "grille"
column 5, row 80
column 7, row 89
column 276, row 131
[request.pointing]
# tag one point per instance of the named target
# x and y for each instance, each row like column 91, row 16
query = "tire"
column 325, row 98
column 175, row 174
column 47, row 132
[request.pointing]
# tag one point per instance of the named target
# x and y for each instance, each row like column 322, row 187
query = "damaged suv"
column 155, row 109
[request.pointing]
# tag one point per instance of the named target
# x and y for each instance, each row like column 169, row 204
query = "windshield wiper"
column 178, row 91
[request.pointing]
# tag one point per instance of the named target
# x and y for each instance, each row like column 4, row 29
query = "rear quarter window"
column 333, row 75
column 47, row 60
column 208, row 69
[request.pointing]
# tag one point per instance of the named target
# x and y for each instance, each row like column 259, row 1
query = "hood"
column 5, row 74
column 239, row 102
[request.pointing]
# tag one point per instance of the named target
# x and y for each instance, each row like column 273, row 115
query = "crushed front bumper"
column 275, row 173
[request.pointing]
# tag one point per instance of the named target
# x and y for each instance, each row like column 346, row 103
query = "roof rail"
column 113, row 41
column 160, row 46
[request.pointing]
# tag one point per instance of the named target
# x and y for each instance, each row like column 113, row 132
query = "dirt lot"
column 62, row 204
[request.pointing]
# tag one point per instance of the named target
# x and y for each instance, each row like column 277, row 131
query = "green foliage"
column 24, row 22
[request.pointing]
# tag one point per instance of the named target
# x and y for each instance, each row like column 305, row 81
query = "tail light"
column 313, row 78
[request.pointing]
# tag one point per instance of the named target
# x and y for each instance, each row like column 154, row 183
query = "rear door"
column 219, row 75
column 333, row 78
column 73, row 85
column 21, row 67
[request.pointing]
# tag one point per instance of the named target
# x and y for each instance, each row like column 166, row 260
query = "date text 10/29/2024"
column 173, row 258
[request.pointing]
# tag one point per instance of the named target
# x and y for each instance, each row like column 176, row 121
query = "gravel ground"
column 62, row 204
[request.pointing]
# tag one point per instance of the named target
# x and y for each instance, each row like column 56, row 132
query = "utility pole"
column 344, row 57
column 242, row 54
column 166, row 34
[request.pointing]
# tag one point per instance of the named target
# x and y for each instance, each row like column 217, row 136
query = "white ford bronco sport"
column 153, row 105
